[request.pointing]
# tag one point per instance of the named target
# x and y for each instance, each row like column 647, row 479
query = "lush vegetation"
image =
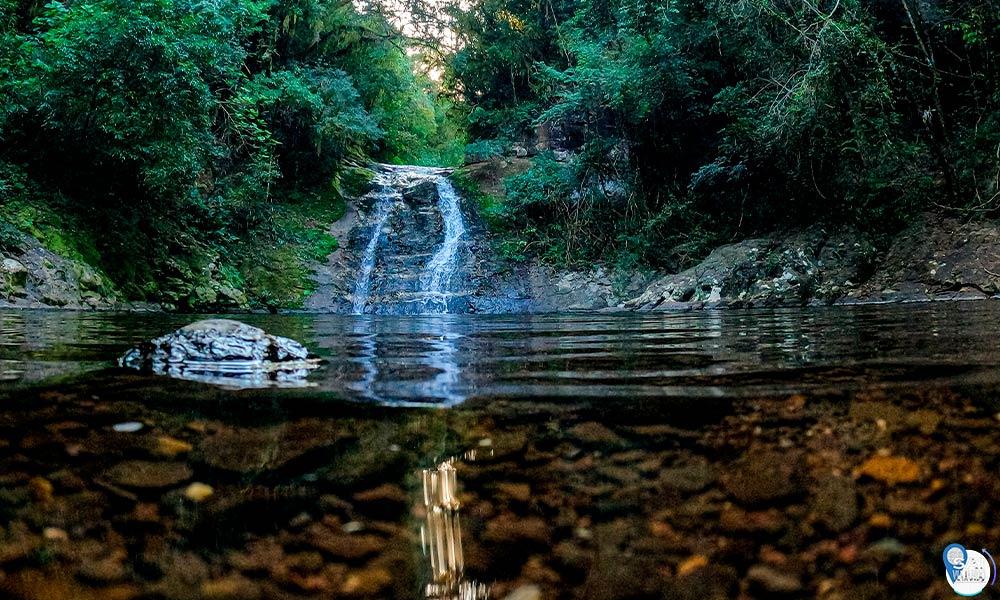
column 694, row 122
column 194, row 150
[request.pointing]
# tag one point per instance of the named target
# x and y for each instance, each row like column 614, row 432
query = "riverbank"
column 313, row 260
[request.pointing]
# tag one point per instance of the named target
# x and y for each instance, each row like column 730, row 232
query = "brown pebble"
column 764, row 477
column 147, row 474
column 510, row 529
column 515, row 491
column 692, row 564
column 774, row 581
column 105, row 570
column 880, row 521
column 233, row 587
column 595, row 433
column 891, row 469
column 146, row 512
column 169, row 447
column 41, row 489
column 367, row 582
column 345, row 546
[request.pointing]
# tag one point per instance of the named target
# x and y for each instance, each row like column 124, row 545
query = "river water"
column 797, row 453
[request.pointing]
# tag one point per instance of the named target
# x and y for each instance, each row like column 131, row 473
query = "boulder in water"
column 224, row 352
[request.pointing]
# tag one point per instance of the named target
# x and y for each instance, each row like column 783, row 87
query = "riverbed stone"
column 834, row 503
column 764, row 476
column 774, row 581
column 149, row 475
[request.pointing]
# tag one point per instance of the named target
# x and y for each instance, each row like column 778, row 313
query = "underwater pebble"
column 198, row 491
column 891, row 469
column 127, row 427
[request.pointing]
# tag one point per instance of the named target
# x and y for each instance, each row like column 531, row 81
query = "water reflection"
column 445, row 360
column 441, row 537
column 423, row 371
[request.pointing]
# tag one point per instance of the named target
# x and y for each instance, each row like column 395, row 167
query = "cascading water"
column 424, row 287
column 440, row 269
column 384, row 199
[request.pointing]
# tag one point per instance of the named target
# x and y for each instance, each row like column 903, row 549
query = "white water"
column 437, row 275
column 384, row 199
column 435, row 279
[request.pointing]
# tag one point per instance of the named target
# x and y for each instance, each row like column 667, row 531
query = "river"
column 817, row 452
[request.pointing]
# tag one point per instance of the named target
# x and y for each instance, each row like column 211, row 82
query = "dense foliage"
column 182, row 145
column 693, row 122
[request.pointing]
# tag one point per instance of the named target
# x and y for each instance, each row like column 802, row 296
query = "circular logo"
column 967, row 571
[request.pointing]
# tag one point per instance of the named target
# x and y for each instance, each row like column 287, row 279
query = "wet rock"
column 710, row 582
column 251, row 449
column 925, row 420
column 169, row 447
column 764, row 476
column 17, row 543
column 149, row 475
column 224, row 352
column 774, row 581
column 885, row 414
column 183, row 575
column 938, row 257
column 41, row 489
column 13, row 277
column 367, row 582
column 735, row 520
column 386, row 501
column 198, row 492
column 519, row 492
column 788, row 271
column 616, row 577
column 692, row 564
column 232, row 587
column 260, row 556
column 54, row 534
column 510, row 530
column 834, row 503
column 345, row 546
column 127, row 427
column 525, row 592
column 689, row 478
column 105, row 570
column 595, row 434
column 891, row 469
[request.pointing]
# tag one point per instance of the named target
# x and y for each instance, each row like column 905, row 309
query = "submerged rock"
column 224, row 352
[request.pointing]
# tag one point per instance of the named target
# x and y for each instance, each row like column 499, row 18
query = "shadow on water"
column 756, row 454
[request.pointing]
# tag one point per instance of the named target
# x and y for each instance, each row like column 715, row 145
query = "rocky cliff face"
column 937, row 258
column 394, row 239
column 33, row 277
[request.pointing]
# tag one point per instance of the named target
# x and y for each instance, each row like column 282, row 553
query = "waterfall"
column 384, row 200
column 437, row 274
column 422, row 287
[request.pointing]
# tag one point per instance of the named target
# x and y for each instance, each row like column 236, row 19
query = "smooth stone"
column 835, row 503
column 128, row 427
column 774, row 581
column 525, row 592
column 147, row 474
column 764, row 476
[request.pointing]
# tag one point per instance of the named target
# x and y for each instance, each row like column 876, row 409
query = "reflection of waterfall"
column 441, row 537
column 384, row 200
column 410, row 362
column 438, row 272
